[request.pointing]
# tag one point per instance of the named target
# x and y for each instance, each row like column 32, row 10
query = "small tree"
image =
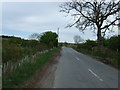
column 77, row 39
column 34, row 36
column 49, row 38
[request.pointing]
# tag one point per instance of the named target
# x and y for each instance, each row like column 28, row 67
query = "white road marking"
column 95, row 75
column 77, row 58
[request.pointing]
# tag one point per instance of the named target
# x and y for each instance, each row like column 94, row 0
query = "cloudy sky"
column 24, row 18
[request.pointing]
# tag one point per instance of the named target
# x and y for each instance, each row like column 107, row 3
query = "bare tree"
column 77, row 39
column 95, row 15
column 34, row 36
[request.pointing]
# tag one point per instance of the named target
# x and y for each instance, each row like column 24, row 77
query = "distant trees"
column 95, row 15
column 34, row 36
column 88, row 45
column 49, row 38
column 77, row 39
column 112, row 44
column 65, row 43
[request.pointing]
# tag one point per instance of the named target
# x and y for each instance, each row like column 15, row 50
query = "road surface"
column 0, row 76
column 76, row 70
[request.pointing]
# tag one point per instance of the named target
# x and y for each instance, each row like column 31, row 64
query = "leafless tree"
column 77, row 39
column 96, row 15
column 34, row 36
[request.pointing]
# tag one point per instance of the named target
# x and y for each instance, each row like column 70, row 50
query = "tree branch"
column 106, row 26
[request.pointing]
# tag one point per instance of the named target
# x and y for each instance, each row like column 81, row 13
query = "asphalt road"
column 76, row 70
column 0, row 77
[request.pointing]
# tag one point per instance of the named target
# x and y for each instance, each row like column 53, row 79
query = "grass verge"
column 112, row 59
column 25, row 72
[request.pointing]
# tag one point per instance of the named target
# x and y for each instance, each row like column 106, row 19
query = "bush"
column 113, row 43
column 14, row 49
column 89, row 44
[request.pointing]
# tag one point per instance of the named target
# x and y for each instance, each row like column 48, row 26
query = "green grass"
column 25, row 72
column 99, row 54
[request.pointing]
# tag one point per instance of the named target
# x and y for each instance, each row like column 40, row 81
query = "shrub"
column 14, row 49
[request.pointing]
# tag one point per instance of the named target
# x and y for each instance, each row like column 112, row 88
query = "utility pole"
column 58, row 33
column 119, row 21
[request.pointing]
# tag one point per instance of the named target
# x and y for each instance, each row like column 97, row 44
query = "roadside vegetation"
column 16, row 69
column 14, row 48
column 109, row 53
column 26, row 71
column 95, row 16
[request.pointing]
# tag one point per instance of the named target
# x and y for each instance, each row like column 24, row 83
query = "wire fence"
column 12, row 66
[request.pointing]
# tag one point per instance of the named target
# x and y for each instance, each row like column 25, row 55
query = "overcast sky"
column 24, row 18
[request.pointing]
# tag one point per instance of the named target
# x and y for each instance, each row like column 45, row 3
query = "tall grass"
column 25, row 72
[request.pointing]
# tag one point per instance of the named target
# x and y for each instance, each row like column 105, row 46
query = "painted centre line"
column 95, row 75
column 77, row 58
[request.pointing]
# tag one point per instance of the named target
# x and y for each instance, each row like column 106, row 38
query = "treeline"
column 109, row 53
column 112, row 44
column 15, row 48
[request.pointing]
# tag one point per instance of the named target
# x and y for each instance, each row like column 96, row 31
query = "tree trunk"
column 99, row 39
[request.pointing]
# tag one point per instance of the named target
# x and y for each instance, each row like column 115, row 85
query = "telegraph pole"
column 58, row 35
column 119, row 21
